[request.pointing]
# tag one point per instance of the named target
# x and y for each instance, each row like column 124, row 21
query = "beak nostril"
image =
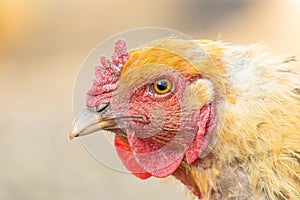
column 101, row 107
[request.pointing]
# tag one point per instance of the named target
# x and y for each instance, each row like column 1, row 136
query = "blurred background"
column 42, row 46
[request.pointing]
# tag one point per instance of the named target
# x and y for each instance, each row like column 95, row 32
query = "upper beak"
column 88, row 122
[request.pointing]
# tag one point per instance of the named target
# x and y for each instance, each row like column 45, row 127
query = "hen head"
column 166, row 101
column 156, row 101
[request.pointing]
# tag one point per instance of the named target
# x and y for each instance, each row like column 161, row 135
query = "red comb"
column 107, row 75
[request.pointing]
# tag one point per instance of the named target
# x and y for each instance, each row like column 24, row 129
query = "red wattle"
column 159, row 162
column 126, row 155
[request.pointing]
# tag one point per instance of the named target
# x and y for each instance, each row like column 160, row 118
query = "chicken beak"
column 88, row 122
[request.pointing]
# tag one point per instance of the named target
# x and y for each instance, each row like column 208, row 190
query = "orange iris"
column 162, row 86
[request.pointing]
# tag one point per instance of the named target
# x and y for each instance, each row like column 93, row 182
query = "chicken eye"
column 162, row 86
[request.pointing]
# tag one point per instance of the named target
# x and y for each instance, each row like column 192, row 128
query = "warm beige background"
column 42, row 45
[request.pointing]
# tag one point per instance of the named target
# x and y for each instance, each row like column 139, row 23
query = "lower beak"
column 88, row 122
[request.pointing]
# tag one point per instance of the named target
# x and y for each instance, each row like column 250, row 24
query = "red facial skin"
column 169, row 131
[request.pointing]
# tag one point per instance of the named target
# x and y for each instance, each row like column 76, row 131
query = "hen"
column 223, row 119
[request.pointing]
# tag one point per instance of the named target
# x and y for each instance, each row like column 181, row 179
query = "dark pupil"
column 162, row 85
